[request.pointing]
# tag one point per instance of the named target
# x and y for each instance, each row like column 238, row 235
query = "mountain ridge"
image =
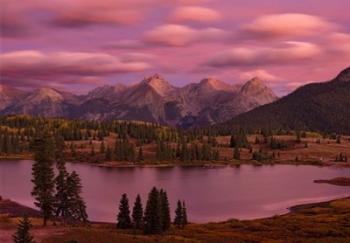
column 323, row 107
column 153, row 99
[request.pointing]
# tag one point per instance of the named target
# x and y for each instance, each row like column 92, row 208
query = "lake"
column 214, row 194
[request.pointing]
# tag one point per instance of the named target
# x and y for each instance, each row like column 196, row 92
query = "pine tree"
column 184, row 214
column 236, row 153
column 178, row 221
column 123, row 218
column 152, row 217
column 61, row 196
column 77, row 207
column 165, row 210
column 59, row 149
column 257, row 141
column 102, row 147
column 232, row 141
column 22, row 235
column 73, row 150
column 137, row 213
column 298, row 138
column 108, row 155
column 43, row 175
column 140, row 155
column 92, row 153
column 338, row 139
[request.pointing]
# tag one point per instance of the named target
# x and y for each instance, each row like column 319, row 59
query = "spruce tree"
column 102, row 147
column 165, row 210
column 92, row 153
column 108, row 155
column 178, row 215
column 236, row 153
column 61, row 196
column 22, row 235
column 298, row 138
column 59, row 149
column 137, row 213
column 184, row 214
column 152, row 218
column 43, row 175
column 232, row 141
column 140, row 155
column 123, row 218
column 77, row 207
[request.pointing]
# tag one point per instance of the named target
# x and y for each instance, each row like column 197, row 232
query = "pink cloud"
column 12, row 22
column 124, row 44
column 340, row 44
column 78, row 13
column 35, row 65
column 261, row 73
column 136, row 57
column 250, row 56
column 85, row 12
column 180, row 35
column 287, row 25
column 195, row 14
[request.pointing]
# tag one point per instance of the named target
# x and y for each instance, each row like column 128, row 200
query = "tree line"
column 155, row 218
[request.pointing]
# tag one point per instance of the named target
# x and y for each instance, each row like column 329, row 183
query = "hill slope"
column 319, row 107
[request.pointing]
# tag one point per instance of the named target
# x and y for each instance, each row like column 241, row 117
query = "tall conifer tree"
column 137, row 213
column 43, row 175
column 165, row 210
column 152, row 218
column 178, row 215
column 123, row 218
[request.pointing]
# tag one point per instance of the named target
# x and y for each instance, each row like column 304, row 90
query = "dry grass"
column 321, row 222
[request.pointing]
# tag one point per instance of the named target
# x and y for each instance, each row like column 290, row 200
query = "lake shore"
column 206, row 164
column 325, row 221
column 338, row 181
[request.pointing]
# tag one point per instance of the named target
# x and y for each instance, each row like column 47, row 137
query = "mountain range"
column 153, row 99
column 321, row 107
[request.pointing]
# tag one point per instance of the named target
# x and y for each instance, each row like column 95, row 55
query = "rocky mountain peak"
column 215, row 84
column 344, row 76
column 256, row 81
column 253, row 85
column 257, row 88
column 45, row 93
column 153, row 99
column 8, row 95
column 106, row 91
column 159, row 84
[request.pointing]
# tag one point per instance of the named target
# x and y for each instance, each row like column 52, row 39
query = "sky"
column 77, row 45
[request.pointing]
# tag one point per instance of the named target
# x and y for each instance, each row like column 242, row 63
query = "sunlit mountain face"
column 153, row 99
column 80, row 45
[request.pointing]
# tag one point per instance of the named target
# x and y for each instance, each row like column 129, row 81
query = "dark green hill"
column 318, row 107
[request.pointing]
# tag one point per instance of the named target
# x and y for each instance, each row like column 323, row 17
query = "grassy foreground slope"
column 321, row 222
